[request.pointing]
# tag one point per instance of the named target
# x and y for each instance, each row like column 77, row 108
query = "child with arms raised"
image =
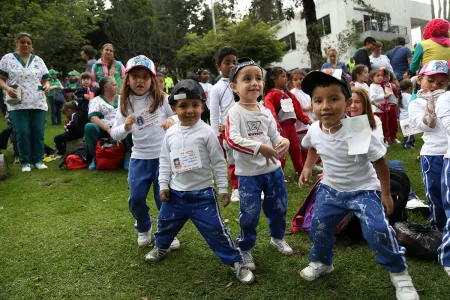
column 252, row 132
column 348, row 184
column 189, row 153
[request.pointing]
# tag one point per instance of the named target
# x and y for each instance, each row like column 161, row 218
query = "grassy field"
column 69, row 235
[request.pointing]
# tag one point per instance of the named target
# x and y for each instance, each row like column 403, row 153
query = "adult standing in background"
column 333, row 62
column 362, row 54
column 436, row 44
column 88, row 54
column 24, row 76
column 107, row 65
column 378, row 60
column 400, row 58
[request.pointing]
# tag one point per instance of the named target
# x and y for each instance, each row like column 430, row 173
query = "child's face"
column 297, row 81
column 226, row 64
column 433, row 82
column 355, row 105
column 188, row 111
column 329, row 104
column 280, row 80
column 377, row 78
column 249, row 84
column 161, row 82
column 406, row 75
column 86, row 82
column 204, row 77
column 363, row 76
column 386, row 78
column 68, row 112
column 140, row 81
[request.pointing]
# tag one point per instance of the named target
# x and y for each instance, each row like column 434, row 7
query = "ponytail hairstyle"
column 404, row 85
column 270, row 75
column 358, row 69
column 105, row 81
column 367, row 106
column 126, row 94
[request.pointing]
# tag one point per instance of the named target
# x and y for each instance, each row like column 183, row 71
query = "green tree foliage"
column 255, row 40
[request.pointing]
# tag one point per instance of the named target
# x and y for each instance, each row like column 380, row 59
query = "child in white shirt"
column 403, row 102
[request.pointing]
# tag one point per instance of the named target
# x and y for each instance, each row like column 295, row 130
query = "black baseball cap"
column 187, row 89
column 316, row 78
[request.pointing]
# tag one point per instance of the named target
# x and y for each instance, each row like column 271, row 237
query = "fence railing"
column 383, row 26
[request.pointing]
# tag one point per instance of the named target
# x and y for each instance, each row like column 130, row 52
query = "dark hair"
column 404, row 85
column 224, row 51
column 200, row 71
column 102, row 84
column 367, row 106
column 274, row 72
column 160, row 75
column 329, row 81
column 22, row 34
column 85, row 75
column 369, row 40
column 72, row 105
column 373, row 72
column 401, row 41
column 358, row 69
column 410, row 73
column 89, row 51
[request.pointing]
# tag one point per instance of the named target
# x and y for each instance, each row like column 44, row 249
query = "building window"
column 290, row 42
column 326, row 25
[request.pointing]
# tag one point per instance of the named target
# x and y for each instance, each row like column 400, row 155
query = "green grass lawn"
column 69, row 235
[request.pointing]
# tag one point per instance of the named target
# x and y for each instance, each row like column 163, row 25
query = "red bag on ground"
column 75, row 162
column 109, row 154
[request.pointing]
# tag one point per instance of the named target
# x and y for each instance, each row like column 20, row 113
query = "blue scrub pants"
column 444, row 249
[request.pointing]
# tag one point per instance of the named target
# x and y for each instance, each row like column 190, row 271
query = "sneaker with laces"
column 281, row 246
column 243, row 274
column 235, row 196
column 417, row 205
column 314, row 270
column 26, row 168
column 247, row 259
column 40, row 166
column 447, row 270
column 175, row 244
column 144, row 238
column 404, row 288
column 156, row 254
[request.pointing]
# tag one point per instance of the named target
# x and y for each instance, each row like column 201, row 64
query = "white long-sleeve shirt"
column 406, row 98
column 211, row 155
column 246, row 132
column 207, row 87
column 305, row 101
column 376, row 94
column 443, row 114
column 434, row 139
column 221, row 101
column 146, row 141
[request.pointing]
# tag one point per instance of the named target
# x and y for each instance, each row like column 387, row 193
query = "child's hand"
column 86, row 96
column 129, row 121
column 388, row 95
column 388, row 204
column 282, row 147
column 164, row 195
column 269, row 153
column 224, row 199
column 168, row 123
column 305, row 177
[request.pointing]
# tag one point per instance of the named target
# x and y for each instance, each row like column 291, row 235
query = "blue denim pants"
column 444, row 249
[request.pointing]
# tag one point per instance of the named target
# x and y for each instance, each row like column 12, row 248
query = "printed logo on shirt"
column 253, row 128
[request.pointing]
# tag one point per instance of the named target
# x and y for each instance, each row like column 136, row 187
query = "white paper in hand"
column 359, row 134
column 408, row 127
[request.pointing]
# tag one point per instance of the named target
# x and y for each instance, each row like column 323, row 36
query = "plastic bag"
column 419, row 241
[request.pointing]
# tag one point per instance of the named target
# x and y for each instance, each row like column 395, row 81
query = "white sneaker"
column 156, row 254
column 244, row 274
column 396, row 141
column 386, row 144
column 417, row 205
column 175, row 244
column 314, row 270
column 404, row 288
column 247, row 259
column 40, row 166
column 26, row 168
column 317, row 169
column 235, row 196
column 281, row 246
column 144, row 238
column 262, row 195
column 447, row 270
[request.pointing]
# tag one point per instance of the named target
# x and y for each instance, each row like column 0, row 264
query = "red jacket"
column 272, row 102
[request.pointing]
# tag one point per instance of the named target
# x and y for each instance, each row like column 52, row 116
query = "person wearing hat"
column 435, row 46
column 143, row 112
column 24, row 77
column 55, row 97
column 349, row 184
column 189, row 153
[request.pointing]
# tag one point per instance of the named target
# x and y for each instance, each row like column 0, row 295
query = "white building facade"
column 335, row 15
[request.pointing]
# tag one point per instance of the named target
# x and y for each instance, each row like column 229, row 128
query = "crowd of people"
column 242, row 126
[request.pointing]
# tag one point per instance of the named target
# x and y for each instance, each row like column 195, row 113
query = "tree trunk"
column 312, row 32
column 279, row 10
column 440, row 9
column 432, row 9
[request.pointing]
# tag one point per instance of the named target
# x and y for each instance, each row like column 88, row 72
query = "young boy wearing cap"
column 433, row 79
column 189, row 153
column 348, row 184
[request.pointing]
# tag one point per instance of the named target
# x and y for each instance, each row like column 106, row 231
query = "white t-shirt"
column 443, row 114
column 378, row 132
column 33, row 96
column 380, row 61
column 221, row 101
column 207, row 89
column 376, row 93
column 434, row 139
column 343, row 172
column 406, row 98
column 100, row 107
column 362, row 86
column 305, row 101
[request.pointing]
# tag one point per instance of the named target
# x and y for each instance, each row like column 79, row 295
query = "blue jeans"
column 397, row 165
column 444, row 249
column 201, row 208
column 141, row 175
column 274, row 206
column 56, row 107
column 332, row 206
column 431, row 167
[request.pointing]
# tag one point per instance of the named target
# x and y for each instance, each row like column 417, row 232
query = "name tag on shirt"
column 185, row 160
column 146, row 119
column 287, row 105
column 358, row 134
